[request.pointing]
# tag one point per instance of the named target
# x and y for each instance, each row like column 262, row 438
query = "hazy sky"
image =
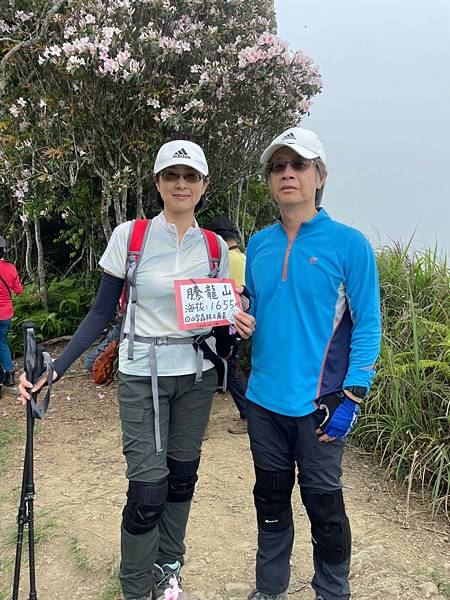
column 384, row 113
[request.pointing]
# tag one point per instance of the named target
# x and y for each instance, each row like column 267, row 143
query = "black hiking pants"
column 279, row 445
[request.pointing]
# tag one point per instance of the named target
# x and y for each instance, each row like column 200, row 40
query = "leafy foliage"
column 406, row 419
column 69, row 301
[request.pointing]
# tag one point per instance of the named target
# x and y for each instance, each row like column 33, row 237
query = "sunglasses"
column 190, row 177
column 298, row 164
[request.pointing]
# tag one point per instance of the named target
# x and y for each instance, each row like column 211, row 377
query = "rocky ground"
column 79, row 474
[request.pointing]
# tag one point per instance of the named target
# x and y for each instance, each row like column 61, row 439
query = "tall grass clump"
column 406, row 419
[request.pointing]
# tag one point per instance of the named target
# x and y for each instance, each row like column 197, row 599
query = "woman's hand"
column 244, row 324
column 244, row 299
column 25, row 385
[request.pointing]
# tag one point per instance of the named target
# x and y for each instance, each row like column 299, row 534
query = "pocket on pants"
column 131, row 414
column 135, row 423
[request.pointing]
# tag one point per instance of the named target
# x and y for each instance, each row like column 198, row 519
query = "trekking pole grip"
column 33, row 358
column 29, row 349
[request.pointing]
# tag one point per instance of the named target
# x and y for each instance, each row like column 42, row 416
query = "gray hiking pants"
column 184, row 411
column 279, row 444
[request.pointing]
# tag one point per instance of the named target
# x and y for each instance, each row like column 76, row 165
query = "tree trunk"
column 28, row 252
column 42, row 289
column 139, row 195
column 105, row 203
column 240, row 186
column 104, row 212
column 123, row 205
column 91, row 259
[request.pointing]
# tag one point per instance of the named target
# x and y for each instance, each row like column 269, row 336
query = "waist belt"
column 202, row 349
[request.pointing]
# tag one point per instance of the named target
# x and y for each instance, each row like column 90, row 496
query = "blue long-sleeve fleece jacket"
column 317, row 308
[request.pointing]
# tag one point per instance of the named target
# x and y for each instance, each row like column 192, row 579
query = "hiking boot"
column 257, row 595
column 238, row 426
column 162, row 576
column 9, row 378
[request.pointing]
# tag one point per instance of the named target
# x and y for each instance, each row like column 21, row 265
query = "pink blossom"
column 4, row 27
column 153, row 102
column 69, row 31
column 14, row 111
column 23, row 16
column 54, row 50
column 123, row 57
column 172, row 592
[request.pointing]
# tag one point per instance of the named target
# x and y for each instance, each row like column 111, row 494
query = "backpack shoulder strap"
column 213, row 250
column 137, row 237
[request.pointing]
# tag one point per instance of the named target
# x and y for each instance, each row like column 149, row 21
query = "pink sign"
column 206, row 302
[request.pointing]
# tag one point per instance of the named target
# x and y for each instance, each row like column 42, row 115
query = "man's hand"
column 341, row 414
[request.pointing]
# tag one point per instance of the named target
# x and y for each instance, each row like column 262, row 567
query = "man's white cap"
column 181, row 152
column 303, row 141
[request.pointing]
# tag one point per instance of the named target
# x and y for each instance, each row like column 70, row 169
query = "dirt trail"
column 80, row 484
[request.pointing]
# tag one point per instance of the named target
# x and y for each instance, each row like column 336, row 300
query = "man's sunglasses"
column 298, row 164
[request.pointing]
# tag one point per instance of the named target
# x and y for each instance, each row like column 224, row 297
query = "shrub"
column 69, row 300
column 406, row 419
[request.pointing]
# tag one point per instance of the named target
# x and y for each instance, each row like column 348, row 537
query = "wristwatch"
column 357, row 390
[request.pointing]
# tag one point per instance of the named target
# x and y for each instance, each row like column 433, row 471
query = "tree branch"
column 39, row 33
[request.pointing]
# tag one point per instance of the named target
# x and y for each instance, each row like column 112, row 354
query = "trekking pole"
column 34, row 359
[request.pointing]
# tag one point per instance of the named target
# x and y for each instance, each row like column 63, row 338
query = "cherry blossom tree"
column 98, row 86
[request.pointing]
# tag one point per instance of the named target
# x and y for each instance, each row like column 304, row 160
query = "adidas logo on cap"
column 289, row 136
column 181, row 154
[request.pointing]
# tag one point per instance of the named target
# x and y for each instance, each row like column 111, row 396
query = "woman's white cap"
column 181, row 152
column 303, row 141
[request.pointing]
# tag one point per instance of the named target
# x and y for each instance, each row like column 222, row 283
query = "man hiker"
column 9, row 283
column 224, row 227
column 314, row 293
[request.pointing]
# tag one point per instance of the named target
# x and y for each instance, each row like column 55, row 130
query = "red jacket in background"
column 9, row 273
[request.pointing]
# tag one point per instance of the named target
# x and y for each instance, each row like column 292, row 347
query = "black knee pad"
column 272, row 495
column 182, row 479
column 144, row 507
column 330, row 527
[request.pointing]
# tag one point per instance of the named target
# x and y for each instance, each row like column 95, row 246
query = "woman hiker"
column 163, row 418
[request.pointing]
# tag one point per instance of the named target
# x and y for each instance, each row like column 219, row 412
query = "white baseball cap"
column 181, row 152
column 303, row 141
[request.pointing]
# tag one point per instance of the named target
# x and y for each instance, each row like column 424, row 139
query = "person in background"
column 9, row 283
column 314, row 293
column 224, row 227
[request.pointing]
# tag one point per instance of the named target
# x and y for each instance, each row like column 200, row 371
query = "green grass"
column 441, row 582
column 406, row 419
column 79, row 554
column 112, row 589
column 9, row 431
column 44, row 529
